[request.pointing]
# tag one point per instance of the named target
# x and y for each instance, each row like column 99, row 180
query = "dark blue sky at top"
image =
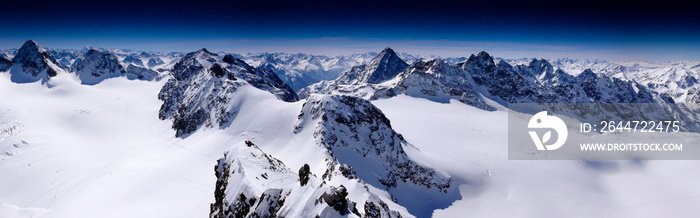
column 581, row 29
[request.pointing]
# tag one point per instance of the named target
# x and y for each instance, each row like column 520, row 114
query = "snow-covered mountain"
column 394, row 135
column 200, row 90
column 251, row 183
column 33, row 63
column 97, row 65
column 671, row 78
column 480, row 78
column 132, row 59
column 359, row 148
column 142, row 73
column 351, row 145
column 384, row 66
column 438, row 81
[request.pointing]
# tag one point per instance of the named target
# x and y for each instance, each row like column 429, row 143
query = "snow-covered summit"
column 33, row 63
column 386, row 65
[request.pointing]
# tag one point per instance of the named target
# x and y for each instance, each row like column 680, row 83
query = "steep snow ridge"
column 357, row 134
column 33, row 63
column 97, row 65
column 251, row 183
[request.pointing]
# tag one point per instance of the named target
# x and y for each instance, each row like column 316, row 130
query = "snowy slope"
column 431, row 142
column 471, row 145
column 76, row 152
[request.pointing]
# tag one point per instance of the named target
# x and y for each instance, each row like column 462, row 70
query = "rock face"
column 195, row 96
column 541, row 71
column 437, row 81
column 152, row 62
column 201, row 90
column 133, row 59
column 98, row 65
column 539, row 83
column 261, row 78
column 251, row 183
column 33, row 63
column 5, row 64
column 387, row 76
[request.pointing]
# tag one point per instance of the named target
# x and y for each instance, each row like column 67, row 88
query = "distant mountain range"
column 350, row 160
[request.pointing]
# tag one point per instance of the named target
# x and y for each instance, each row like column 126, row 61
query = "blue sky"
column 594, row 30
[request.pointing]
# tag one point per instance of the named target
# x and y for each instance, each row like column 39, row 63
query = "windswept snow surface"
column 471, row 146
column 76, row 150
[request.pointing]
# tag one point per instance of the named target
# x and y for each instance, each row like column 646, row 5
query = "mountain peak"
column 482, row 59
column 204, row 51
column 386, row 65
column 97, row 65
column 483, row 55
column 587, row 74
column 36, row 63
column 387, row 50
column 94, row 51
column 32, row 46
column 536, row 61
column 385, row 54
